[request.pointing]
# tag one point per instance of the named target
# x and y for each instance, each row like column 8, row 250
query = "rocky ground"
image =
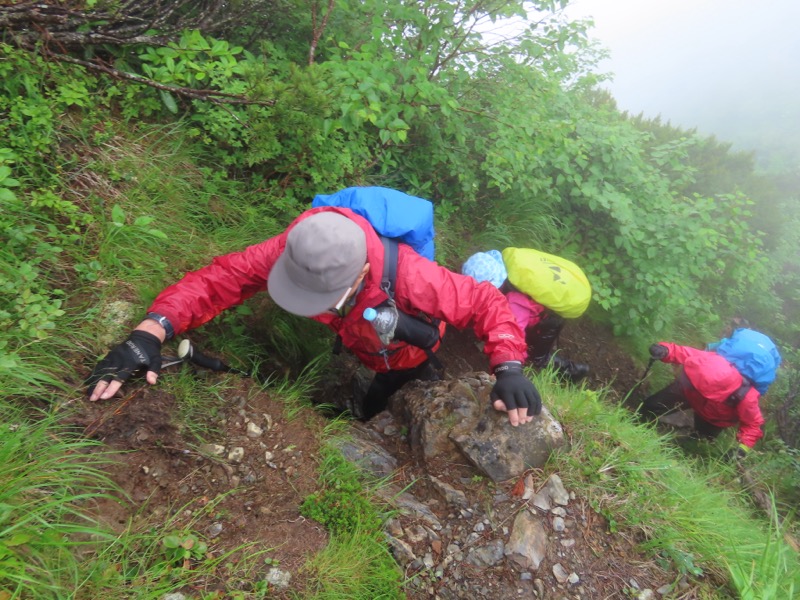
column 458, row 534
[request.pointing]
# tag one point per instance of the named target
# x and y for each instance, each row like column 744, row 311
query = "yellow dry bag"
column 552, row 281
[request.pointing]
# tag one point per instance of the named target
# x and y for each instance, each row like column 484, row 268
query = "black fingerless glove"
column 515, row 389
column 140, row 350
column 659, row 352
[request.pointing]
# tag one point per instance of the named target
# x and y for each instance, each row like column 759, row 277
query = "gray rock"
column 448, row 419
column 555, row 489
column 560, row 573
column 401, row 551
column 408, row 505
column 558, row 524
column 527, row 544
column 236, row 454
column 212, row 449
column 451, row 495
column 367, row 455
column 488, row 555
column 278, row 578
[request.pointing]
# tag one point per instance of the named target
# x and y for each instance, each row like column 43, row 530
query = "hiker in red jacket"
column 328, row 265
column 713, row 388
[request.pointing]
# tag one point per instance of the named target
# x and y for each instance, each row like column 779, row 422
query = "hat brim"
column 295, row 299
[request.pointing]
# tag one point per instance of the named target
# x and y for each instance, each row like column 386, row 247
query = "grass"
column 48, row 477
column 153, row 556
column 687, row 515
column 356, row 563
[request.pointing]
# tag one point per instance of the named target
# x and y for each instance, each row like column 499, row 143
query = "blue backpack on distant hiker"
column 393, row 214
column 753, row 354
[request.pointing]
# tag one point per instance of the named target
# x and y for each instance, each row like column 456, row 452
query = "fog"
column 728, row 67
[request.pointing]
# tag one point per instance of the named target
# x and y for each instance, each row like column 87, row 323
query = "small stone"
column 558, row 524
column 236, row 454
column 253, row 430
column 560, row 573
column 268, row 456
column 214, row 530
column 573, row 578
column 278, row 578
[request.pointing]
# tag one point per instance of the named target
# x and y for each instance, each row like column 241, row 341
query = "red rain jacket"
column 713, row 380
column 422, row 287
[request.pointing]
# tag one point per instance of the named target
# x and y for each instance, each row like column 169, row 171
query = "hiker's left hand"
column 515, row 394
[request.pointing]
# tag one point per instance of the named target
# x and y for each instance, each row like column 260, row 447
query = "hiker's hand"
column 659, row 352
column 735, row 455
column 141, row 349
column 515, row 394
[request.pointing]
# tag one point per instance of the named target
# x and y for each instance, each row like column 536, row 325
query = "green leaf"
column 169, row 101
column 18, row 539
column 118, row 215
column 171, row 541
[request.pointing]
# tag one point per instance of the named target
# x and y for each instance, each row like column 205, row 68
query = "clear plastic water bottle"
column 384, row 320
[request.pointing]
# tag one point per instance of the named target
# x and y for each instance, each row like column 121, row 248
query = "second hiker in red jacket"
column 712, row 387
column 328, row 265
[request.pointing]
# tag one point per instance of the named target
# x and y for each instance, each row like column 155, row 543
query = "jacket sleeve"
column 679, row 354
column 750, row 419
column 423, row 285
column 229, row 280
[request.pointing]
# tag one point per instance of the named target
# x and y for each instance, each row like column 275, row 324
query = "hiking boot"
column 573, row 371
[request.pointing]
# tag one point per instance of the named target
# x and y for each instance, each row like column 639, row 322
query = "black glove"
column 736, row 454
column 141, row 349
column 514, row 389
column 659, row 352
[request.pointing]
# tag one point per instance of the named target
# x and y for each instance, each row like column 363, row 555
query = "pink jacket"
column 713, row 380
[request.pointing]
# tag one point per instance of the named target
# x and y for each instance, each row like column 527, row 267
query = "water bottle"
column 393, row 325
column 384, row 320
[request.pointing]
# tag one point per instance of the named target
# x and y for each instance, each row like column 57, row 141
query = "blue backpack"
column 753, row 354
column 393, row 214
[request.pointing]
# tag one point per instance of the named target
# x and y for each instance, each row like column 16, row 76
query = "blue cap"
column 486, row 266
column 370, row 314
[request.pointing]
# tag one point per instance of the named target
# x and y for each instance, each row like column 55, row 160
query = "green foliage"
column 46, row 478
column 341, row 504
column 181, row 549
column 689, row 519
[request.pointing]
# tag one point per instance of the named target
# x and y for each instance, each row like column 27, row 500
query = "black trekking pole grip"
column 188, row 352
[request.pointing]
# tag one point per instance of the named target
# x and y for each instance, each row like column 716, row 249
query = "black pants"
column 673, row 398
column 542, row 337
column 386, row 384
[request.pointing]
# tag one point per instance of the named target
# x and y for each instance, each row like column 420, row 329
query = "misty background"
column 730, row 68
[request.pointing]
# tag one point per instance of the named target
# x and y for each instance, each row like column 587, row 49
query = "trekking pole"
column 641, row 379
column 188, row 352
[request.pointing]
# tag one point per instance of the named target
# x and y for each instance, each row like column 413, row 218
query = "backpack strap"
column 389, row 277
column 736, row 397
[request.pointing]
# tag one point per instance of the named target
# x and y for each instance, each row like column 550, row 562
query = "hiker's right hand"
column 659, row 352
column 515, row 394
column 142, row 349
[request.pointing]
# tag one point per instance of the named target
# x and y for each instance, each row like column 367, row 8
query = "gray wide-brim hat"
column 324, row 255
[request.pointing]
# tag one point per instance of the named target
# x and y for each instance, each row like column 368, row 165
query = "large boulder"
column 453, row 419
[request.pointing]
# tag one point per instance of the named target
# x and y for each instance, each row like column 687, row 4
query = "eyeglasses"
column 336, row 309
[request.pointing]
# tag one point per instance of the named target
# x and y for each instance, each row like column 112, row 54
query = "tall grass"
column 639, row 479
column 48, row 477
